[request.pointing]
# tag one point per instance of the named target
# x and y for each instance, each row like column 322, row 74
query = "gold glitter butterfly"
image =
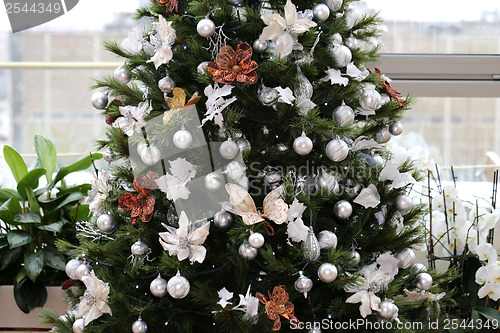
column 177, row 102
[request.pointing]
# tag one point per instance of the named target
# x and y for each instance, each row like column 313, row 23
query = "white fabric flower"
column 284, row 30
column 248, row 304
column 224, row 296
column 173, row 184
column 133, row 117
column 94, row 302
column 296, row 229
column 133, row 42
column 99, row 192
column 162, row 42
column 335, row 76
column 186, row 241
column 368, row 197
column 216, row 103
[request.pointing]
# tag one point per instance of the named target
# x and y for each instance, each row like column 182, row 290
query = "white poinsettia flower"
column 162, row 42
column 133, row 42
column 224, row 296
column 132, row 119
column 186, row 241
column 216, row 103
column 284, row 30
column 492, row 290
column 486, row 252
column 99, row 192
column 94, row 302
column 248, row 304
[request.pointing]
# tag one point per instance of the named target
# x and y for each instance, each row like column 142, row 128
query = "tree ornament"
column 278, row 305
column 387, row 310
column 336, row 38
column 244, row 145
column 310, row 247
column 122, row 75
column 83, row 270
column 303, row 284
column 202, row 68
column 383, row 136
column 234, row 65
column 247, row 252
column 99, row 100
column 406, row 258
column 109, row 156
column 256, row 240
column 315, row 329
column 235, row 170
column 337, row 150
column 178, row 286
column 213, row 182
column 166, row 84
column 139, row 326
column 384, row 98
column 370, row 100
column 235, row 2
column 229, row 149
column 305, row 89
column 205, row 28
column 139, row 249
column 326, row 181
column 182, row 139
column 423, row 281
column 327, row 272
column 150, row 155
column 158, row 287
column 334, row 5
column 272, row 178
column 342, row 55
column 223, row 220
column 79, row 326
column 418, row 268
column 105, row 222
column 71, row 267
column 403, row 203
column 268, row 96
column 342, row 209
column 260, row 46
column 302, row 145
column 142, row 205
column 343, row 115
column 354, row 256
column 327, row 240
column 321, row 12
column 396, row 128
column 351, row 42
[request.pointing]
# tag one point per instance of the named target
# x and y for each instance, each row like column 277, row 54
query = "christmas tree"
column 249, row 187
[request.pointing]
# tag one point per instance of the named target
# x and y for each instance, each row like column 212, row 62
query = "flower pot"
column 13, row 318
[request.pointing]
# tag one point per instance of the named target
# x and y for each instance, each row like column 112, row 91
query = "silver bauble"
column 383, row 136
column 342, row 209
column 354, row 256
column 272, row 178
column 305, row 88
column 122, row 75
column 79, row 326
column 205, row 28
column 213, row 182
column 327, row 181
column 235, row 2
column 229, row 149
column 202, row 67
column 423, row 281
column 223, row 220
column 343, row 115
column 235, row 170
column 418, row 268
column 370, row 100
column 342, row 55
column 268, row 96
column 302, row 145
column 315, row 329
column 334, row 5
column 139, row 249
column 396, row 128
column 337, row 150
column 108, row 156
column 351, row 42
column 99, row 100
column 406, row 258
column 244, row 145
column 403, row 203
column 337, row 38
column 158, row 287
column 150, row 155
column 321, row 12
column 352, row 16
column 71, row 267
column 182, row 139
column 310, row 247
column 166, row 84
column 327, row 272
column 139, row 326
column 303, row 284
column 140, row 147
column 384, row 98
column 256, row 240
column 105, row 222
column 247, row 252
column 327, row 240
column 178, row 286
column 387, row 310
column 83, row 270
column 260, row 46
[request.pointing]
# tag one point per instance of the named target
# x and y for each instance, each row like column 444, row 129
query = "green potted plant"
column 33, row 217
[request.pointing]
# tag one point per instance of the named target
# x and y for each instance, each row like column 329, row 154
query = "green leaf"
column 489, row 313
column 62, row 201
column 21, row 275
column 54, row 259
column 29, row 295
column 33, row 264
column 83, row 213
column 19, row 238
column 46, row 152
column 53, row 227
column 15, row 162
column 9, row 257
column 6, row 213
column 80, row 165
column 29, row 182
column 29, row 217
column 7, row 193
